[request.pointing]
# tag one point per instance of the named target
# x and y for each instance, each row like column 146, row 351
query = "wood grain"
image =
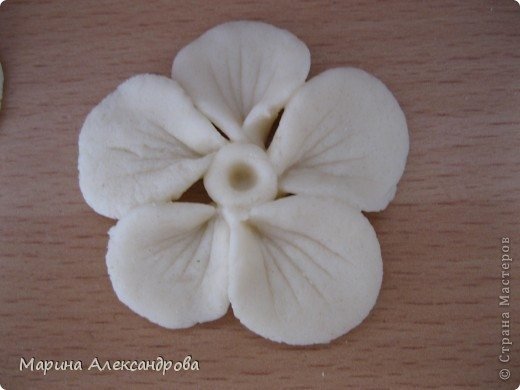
column 454, row 67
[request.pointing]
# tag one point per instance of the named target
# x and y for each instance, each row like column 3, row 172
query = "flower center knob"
column 241, row 175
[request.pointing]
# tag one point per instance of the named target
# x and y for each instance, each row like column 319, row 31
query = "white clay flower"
column 299, row 269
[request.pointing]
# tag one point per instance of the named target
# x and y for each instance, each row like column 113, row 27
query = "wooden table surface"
column 454, row 66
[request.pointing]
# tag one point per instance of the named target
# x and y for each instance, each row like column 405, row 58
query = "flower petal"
column 303, row 270
column 240, row 74
column 343, row 135
column 168, row 263
column 144, row 142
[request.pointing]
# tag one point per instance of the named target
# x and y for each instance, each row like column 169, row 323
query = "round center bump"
column 241, row 175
